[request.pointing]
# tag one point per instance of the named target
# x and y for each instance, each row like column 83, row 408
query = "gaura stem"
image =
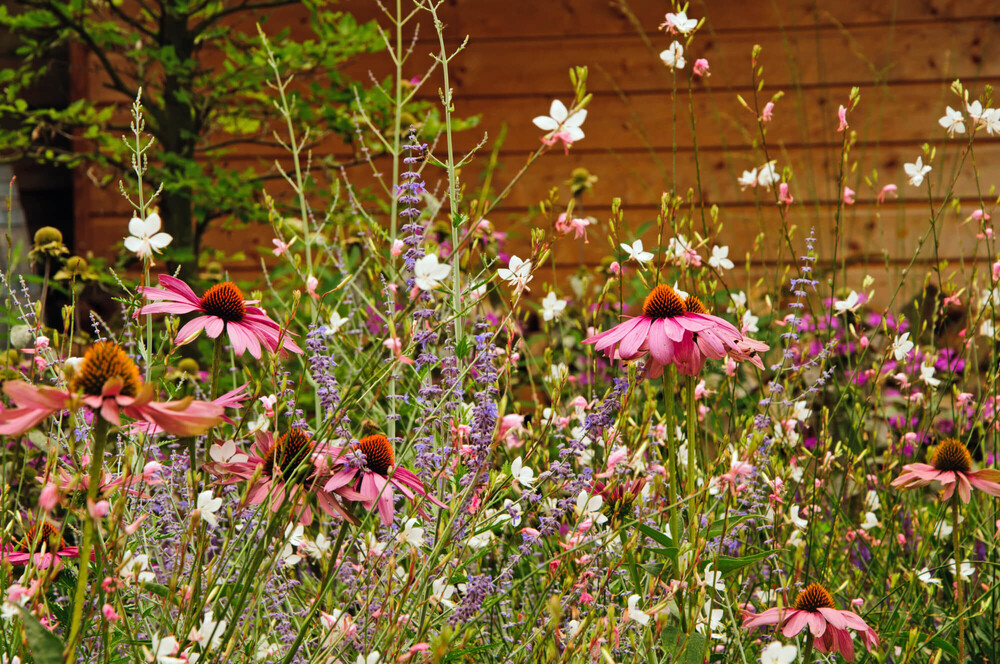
column 96, row 472
column 958, row 577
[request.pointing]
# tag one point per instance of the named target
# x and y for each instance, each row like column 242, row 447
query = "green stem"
column 692, row 434
column 669, row 387
column 101, row 427
column 310, row 619
column 216, row 368
column 959, row 599
column 807, row 652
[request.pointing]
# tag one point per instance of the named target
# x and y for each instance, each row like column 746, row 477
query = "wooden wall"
column 902, row 54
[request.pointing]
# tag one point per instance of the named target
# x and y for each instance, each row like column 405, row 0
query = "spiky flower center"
column 226, row 301
column 378, row 453
column 952, row 455
column 663, row 302
column 50, row 539
column 813, row 598
column 103, row 361
column 693, row 305
column 289, row 454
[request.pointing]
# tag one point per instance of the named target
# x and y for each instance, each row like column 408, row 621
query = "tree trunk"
column 176, row 210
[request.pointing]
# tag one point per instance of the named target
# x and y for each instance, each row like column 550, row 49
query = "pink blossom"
column 977, row 215
column 701, row 67
column 150, row 469
column 848, row 196
column 222, row 309
column 888, row 190
column 311, row 284
column 281, row 247
column 396, row 348
column 784, row 198
column 768, row 112
column 109, row 613
column 397, row 248
column 842, row 116
column 99, row 509
column 49, row 497
column 268, row 402
column 615, row 268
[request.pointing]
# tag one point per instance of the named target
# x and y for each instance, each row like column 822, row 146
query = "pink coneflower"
column 224, row 310
column 106, row 381
column 951, row 465
column 287, row 472
column 672, row 330
column 375, row 480
column 814, row 607
column 49, row 547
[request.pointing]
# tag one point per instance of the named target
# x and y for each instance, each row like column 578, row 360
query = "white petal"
column 576, row 119
column 137, row 227
column 558, row 111
column 545, row 123
column 161, row 240
column 134, row 244
column 152, row 224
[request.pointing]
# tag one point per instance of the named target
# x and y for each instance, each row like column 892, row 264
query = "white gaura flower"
column 336, row 322
column 852, row 303
column 673, row 57
column 293, row 538
column 162, row 651
column 589, row 507
column 372, row 658
column 748, row 179
column 966, row 569
column 560, row 124
column 523, row 475
column 635, row 613
column 927, row 577
column 136, row 568
column 776, row 652
column 517, row 274
column 798, row 521
column 720, row 258
column 635, row 252
column 412, row 534
column 317, row 548
column 442, row 592
column 870, row 522
column 976, row 111
column 428, row 273
column 767, row 174
column 916, row 171
column 208, row 505
column 872, row 501
column 927, row 375
column 750, row 322
column 145, row 237
column 991, row 121
column 552, row 306
column 209, row 635
column 901, row 346
column 226, row 453
column 953, row 121
column 679, row 22
column 713, row 579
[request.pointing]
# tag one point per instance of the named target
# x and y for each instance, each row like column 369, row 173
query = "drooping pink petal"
column 771, row 616
column 190, row 330
column 964, row 488
column 661, row 347
column 981, row 480
column 817, row 623
column 629, row 346
column 175, row 285
column 833, row 616
column 251, row 342
column 795, row 622
column 341, row 478
column 238, row 338
column 614, row 335
column 214, row 326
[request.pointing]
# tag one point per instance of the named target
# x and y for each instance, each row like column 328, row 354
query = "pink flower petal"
column 795, row 622
column 629, row 346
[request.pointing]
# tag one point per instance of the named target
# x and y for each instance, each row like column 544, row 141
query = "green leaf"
column 715, row 530
column 938, row 642
column 46, row 647
column 695, row 652
column 657, row 536
column 727, row 564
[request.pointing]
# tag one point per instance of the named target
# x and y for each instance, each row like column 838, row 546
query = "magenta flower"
column 676, row 331
column 224, row 310
column 49, row 548
column 951, row 465
column 814, row 608
column 106, row 381
column 288, row 471
column 376, row 479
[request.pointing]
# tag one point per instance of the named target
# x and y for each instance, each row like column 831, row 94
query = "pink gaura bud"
column 701, row 67
column 49, row 497
column 151, row 469
column 901, row 539
column 768, row 112
column 99, row 509
column 842, row 116
column 615, row 268
column 848, row 196
column 887, row 190
column 397, row 248
column 109, row 613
